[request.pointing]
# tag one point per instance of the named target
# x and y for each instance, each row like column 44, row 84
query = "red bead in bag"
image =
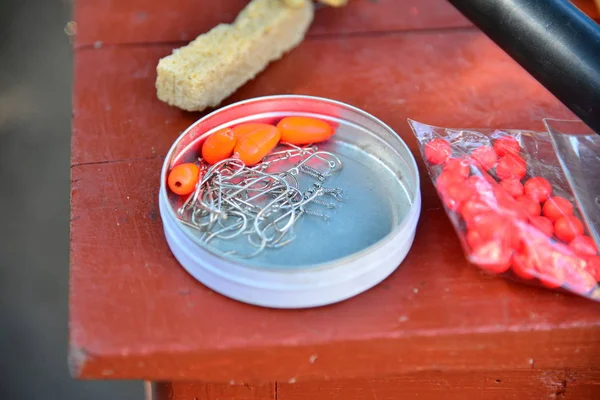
column 509, row 200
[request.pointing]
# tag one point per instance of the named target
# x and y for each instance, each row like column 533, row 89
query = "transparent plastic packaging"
column 512, row 203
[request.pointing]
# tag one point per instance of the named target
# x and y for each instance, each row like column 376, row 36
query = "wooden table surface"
column 135, row 313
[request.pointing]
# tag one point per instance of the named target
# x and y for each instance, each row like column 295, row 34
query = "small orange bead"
column 241, row 130
column 219, row 146
column 183, row 178
column 304, row 130
column 254, row 146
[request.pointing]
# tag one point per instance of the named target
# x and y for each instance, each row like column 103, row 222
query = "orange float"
column 304, row 130
column 255, row 145
column 183, row 178
column 219, row 146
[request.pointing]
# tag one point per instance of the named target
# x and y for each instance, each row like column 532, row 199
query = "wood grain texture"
column 135, row 313
column 105, row 22
column 458, row 80
column 116, row 114
column 575, row 384
column 518, row 385
column 140, row 21
column 213, row 391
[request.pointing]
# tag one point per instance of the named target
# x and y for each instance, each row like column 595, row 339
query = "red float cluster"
column 248, row 142
column 512, row 221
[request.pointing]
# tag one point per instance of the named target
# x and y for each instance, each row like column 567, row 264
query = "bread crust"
column 215, row 64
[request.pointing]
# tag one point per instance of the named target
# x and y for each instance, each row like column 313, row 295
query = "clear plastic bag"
column 512, row 205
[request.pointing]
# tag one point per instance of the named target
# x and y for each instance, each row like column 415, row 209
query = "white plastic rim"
column 315, row 286
column 293, row 288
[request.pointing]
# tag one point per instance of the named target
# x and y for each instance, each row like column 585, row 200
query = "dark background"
column 35, row 133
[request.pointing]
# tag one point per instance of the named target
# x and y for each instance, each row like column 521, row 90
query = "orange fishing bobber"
column 219, row 146
column 304, row 130
column 241, row 130
column 255, row 145
column 183, row 178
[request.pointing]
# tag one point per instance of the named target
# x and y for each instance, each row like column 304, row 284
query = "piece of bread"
column 294, row 3
column 215, row 64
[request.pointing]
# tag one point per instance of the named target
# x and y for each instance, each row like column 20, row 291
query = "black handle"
column 551, row 39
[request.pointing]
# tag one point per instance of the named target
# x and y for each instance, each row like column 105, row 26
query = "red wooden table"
column 436, row 328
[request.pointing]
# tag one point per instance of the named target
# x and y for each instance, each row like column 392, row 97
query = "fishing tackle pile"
column 256, row 181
